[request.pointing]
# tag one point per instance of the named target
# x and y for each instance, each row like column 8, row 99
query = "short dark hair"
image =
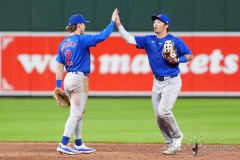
column 168, row 27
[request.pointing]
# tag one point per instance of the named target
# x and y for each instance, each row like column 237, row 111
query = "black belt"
column 162, row 78
column 78, row 72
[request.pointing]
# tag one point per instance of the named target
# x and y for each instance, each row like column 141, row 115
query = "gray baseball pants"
column 164, row 96
column 76, row 87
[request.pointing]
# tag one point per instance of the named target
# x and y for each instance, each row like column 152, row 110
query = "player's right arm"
column 127, row 36
column 92, row 40
column 59, row 70
column 59, row 75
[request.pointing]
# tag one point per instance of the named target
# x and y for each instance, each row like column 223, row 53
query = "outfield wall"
column 27, row 65
column 185, row 15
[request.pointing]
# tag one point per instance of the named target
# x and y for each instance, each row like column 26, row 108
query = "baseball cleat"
column 175, row 146
column 83, row 149
column 65, row 149
column 170, row 150
column 177, row 142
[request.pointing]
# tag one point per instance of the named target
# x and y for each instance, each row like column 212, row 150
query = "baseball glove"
column 169, row 51
column 61, row 98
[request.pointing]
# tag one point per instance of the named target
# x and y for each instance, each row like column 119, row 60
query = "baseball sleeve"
column 141, row 41
column 182, row 47
column 92, row 40
column 59, row 57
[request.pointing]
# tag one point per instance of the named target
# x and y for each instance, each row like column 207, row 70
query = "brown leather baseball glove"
column 61, row 98
column 169, row 51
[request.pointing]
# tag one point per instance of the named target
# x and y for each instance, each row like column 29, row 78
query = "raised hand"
column 115, row 15
column 118, row 22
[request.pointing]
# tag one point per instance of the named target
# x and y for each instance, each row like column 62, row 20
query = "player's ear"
column 79, row 25
column 166, row 25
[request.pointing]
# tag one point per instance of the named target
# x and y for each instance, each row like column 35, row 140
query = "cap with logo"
column 75, row 19
column 162, row 17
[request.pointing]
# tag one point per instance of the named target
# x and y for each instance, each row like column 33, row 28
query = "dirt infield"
column 106, row 151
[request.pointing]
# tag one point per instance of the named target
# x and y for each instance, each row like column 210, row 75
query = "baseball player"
column 74, row 55
column 167, row 81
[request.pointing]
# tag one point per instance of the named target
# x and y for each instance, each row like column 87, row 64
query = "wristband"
column 182, row 59
column 58, row 83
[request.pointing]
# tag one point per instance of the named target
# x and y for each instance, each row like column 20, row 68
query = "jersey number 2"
column 68, row 55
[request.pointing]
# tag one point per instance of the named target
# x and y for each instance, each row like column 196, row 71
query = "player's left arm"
column 125, row 34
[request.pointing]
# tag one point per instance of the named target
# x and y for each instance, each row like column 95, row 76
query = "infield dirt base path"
column 106, row 151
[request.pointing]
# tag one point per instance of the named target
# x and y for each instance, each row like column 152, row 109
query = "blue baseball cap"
column 75, row 19
column 162, row 17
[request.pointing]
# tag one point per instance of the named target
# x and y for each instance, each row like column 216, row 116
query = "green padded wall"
column 185, row 15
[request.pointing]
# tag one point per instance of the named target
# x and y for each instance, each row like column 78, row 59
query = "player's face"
column 159, row 27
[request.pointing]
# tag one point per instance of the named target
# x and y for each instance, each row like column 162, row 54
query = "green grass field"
column 123, row 120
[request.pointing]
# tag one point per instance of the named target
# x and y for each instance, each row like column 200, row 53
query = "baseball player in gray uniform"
column 74, row 56
column 167, row 81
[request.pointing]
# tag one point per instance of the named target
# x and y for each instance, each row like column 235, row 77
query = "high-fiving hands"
column 116, row 18
column 115, row 15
